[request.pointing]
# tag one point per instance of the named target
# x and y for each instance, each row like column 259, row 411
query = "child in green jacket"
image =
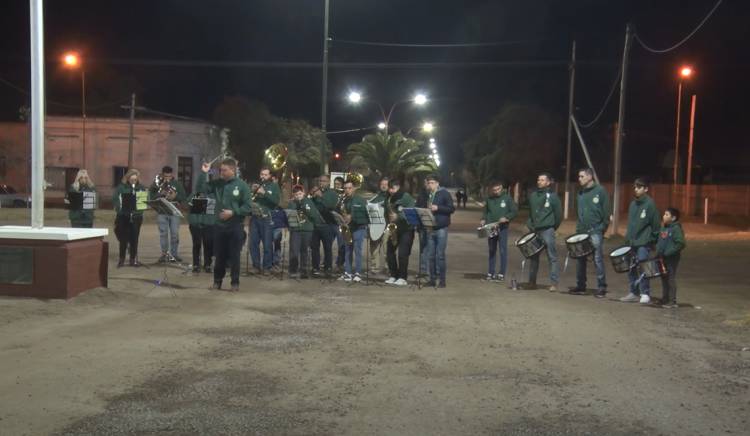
column 670, row 244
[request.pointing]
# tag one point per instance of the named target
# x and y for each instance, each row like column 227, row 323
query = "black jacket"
column 444, row 201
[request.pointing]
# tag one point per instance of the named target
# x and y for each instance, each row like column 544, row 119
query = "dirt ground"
column 319, row 357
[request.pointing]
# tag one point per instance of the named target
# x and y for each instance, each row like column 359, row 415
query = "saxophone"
column 392, row 228
column 346, row 231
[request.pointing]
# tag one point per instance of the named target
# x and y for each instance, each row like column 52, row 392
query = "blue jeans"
column 437, row 240
column 601, row 279
column 548, row 236
column 355, row 250
column 643, row 287
column 169, row 233
column 277, row 234
column 261, row 231
column 500, row 240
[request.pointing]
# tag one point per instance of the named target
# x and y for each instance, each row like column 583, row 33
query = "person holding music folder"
column 201, row 225
column 325, row 200
column 593, row 220
column 266, row 196
column 499, row 209
column 641, row 234
column 166, row 186
column 129, row 200
column 308, row 218
column 545, row 216
column 354, row 211
column 440, row 202
column 670, row 244
column 377, row 254
column 422, row 198
column 233, row 204
column 399, row 244
column 81, row 192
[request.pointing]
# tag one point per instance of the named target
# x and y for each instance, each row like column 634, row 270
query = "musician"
column 169, row 225
column 545, row 216
column 398, row 253
column 422, row 199
column 279, row 224
column 267, row 196
column 499, row 209
column 642, row 233
column 354, row 210
column 299, row 240
column 669, row 246
column 82, row 217
column 440, row 202
column 325, row 200
column 233, row 204
column 593, row 219
column 129, row 201
column 377, row 253
column 201, row 227
column 338, row 186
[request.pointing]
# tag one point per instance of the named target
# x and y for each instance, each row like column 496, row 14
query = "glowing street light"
column 355, row 97
column 72, row 61
column 686, row 72
column 428, row 127
column 432, row 140
column 382, row 125
column 433, row 145
column 420, row 99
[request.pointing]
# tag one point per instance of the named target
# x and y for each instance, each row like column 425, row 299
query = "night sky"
column 159, row 48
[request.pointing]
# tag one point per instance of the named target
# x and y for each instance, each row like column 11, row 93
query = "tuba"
column 275, row 156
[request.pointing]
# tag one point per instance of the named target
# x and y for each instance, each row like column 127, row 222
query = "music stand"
column 164, row 207
column 376, row 216
column 419, row 217
column 203, row 206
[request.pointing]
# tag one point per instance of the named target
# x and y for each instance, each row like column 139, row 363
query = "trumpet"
column 164, row 189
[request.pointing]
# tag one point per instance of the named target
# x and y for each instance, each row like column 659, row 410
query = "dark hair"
column 674, row 212
column 642, row 181
column 547, row 175
column 297, row 188
column 383, row 178
column 346, row 182
column 264, row 169
column 432, row 177
column 229, row 162
column 166, row 169
column 587, row 170
column 339, row 179
column 325, row 175
column 496, row 183
column 393, row 182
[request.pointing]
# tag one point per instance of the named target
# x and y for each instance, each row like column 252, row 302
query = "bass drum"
column 579, row 245
column 622, row 259
column 530, row 244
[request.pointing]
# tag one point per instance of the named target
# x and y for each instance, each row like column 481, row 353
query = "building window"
column 119, row 173
column 185, row 172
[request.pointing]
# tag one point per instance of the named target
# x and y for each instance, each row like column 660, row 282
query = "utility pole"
column 676, row 144
column 686, row 206
column 620, row 134
column 572, row 68
column 130, row 135
column 37, row 112
column 324, row 108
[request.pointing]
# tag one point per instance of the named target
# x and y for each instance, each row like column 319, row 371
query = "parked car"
column 9, row 197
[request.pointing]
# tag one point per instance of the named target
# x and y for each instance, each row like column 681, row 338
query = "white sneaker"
column 390, row 281
column 645, row 299
column 401, row 282
column 346, row 277
column 490, row 277
column 631, row 297
column 357, row 278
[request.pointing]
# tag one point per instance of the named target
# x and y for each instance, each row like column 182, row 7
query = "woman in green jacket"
column 129, row 200
column 81, row 213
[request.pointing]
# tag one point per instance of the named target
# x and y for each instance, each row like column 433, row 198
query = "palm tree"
column 393, row 155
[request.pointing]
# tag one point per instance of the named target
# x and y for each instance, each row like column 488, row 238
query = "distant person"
column 81, row 212
column 169, row 225
column 325, row 200
column 670, row 244
column 441, row 205
column 201, row 227
column 129, row 200
column 641, row 234
column 300, row 236
column 499, row 209
column 464, row 196
column 266, row 196
column 545, row 216
column 422, row 200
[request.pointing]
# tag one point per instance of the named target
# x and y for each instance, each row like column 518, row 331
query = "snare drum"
column 579, row 245
column 530, row 244
column 622, row 258
column 652, row 268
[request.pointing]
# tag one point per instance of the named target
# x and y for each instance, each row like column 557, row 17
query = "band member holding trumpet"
column 545, row 216
column 593, row 219
column 129, row 200
column 353, row 209
column 400, row 233
column 325, row 200
column 233, row 204
column 299, row 241
column 499, row 210
column 165, row 185
column 266, row 196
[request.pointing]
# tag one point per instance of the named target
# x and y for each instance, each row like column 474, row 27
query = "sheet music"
column 89, row 200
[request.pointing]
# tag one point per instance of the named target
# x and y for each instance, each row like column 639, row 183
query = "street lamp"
column 685, row 73
column 433, row 145
column 355, row 97
column 72, row 60
column 420, row 99
column 428, row 127
column 432, row 140
column 382, row 125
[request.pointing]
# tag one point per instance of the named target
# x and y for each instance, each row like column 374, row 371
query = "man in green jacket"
column 169, row 225
column 300, row 236
column 499, row 210
column 545, row 216
column 643, row 229
column 354, row 211
column 233, row 204
column 593, row 220
column 325, row 200
column 267, row 196
column 398, row 253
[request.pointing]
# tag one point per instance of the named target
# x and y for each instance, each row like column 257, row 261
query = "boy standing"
column 643, row 227
column 670, row 244
column 499, row 209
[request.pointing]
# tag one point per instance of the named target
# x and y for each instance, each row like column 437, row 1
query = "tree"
column 250, row 126
column 393, row 155
column 303, row 142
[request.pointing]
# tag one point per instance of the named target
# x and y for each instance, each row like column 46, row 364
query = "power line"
column 606, row 101
column 684, row 40
column 449, row 45
column 57, row 103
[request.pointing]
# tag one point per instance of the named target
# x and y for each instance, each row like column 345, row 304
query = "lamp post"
column 419, row 99
column 72, row 60
column 685, row 73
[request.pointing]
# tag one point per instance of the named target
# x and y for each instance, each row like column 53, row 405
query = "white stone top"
column 50, row 233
